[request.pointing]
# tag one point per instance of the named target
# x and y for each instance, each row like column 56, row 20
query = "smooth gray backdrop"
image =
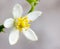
column 47, row 27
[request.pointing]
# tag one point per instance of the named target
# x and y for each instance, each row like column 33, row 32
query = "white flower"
column 21, row 24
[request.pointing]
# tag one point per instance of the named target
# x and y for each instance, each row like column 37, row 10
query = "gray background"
column 47, row 27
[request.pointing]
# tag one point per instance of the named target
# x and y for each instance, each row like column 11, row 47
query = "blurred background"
column 47, row 27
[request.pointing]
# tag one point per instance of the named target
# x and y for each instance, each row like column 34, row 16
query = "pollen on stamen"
column 22, row 22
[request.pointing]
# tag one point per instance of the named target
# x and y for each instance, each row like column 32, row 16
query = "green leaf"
column 2, row 28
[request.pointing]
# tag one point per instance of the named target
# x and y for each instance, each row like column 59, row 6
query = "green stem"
column 2, row 28
column 32, row 9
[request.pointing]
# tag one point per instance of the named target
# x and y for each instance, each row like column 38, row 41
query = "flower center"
column 21, row 23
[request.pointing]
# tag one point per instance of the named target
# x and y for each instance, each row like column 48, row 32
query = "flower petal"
column 34, row 15
column 17, row 11
column 29, row 34
column 13, row 37
column 8, row 23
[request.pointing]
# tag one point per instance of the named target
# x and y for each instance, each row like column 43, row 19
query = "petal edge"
column 8, row 23
column 13, row 37
column 17, row 11
column 34, row 15
column 30, row 34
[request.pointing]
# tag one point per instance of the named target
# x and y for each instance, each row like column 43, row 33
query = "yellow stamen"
column 22, row 22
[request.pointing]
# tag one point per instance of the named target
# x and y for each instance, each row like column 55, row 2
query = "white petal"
column 29, row 34
column 34, row 15
column 13, row 37
column 17, row 11
column 8, row 23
